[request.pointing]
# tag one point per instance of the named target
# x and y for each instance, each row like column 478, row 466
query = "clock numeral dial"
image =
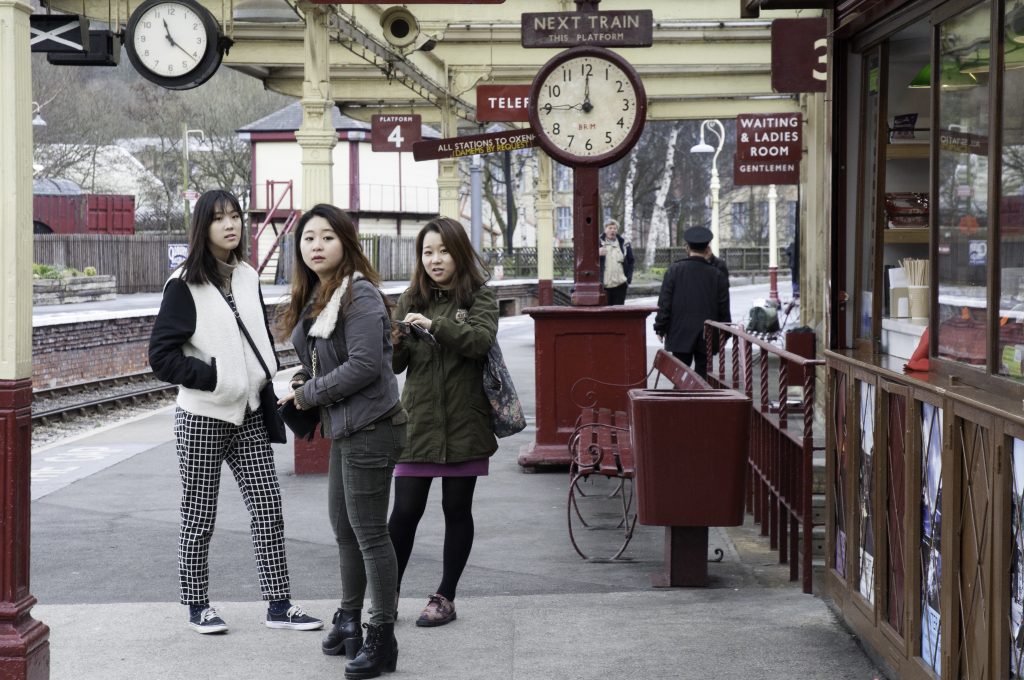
column 174, row 43
column 161, row 35
column 589, row 98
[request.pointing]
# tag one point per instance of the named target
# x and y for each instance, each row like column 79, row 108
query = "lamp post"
column 773, row 247
column 715, row 126
column 185, row 132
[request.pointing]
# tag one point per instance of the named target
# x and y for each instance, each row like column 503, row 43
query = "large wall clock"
column 587, row 106
column 174, row 43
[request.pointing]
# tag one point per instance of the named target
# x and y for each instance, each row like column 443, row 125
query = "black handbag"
column 268, row 398
column 302, row 423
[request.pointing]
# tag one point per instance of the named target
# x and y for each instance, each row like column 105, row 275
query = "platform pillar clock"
column 176, row 44
column 588, row 108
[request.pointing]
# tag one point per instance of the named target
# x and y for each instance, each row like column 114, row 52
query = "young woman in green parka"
column 450, row 431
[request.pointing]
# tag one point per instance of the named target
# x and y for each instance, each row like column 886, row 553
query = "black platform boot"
column 378, row 655
column 345, row 636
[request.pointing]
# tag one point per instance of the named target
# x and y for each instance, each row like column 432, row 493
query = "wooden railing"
column 781, row 455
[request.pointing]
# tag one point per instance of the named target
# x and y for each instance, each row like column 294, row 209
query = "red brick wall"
column 69, row 353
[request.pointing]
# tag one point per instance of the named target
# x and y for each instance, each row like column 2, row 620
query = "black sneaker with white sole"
column 293, row 619
column 207, row 621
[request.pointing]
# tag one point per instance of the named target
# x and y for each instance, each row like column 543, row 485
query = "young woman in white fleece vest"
column 198, row 344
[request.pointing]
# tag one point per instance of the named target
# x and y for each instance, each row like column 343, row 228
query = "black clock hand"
column 191, row 56
column 174, row 43
column 167, row 30
column 587, row 106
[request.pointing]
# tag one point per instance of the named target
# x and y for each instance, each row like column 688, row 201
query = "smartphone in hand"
column 415, row 331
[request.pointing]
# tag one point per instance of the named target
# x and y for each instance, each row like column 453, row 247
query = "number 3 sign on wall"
column 395, row 132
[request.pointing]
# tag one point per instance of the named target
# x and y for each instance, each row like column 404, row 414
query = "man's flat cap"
column 698, row 236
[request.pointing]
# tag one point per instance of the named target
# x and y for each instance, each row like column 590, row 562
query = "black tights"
column 457, row 502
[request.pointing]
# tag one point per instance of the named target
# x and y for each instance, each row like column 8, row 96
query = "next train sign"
column 769, row 147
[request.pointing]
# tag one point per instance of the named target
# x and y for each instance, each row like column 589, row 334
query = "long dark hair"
column 200, row 266
column 305, row 280
column 470, row 272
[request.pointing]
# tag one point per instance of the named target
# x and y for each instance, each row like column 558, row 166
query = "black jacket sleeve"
column 724, row 313
column 628, row 262
column 663, row 319
column 175, row 323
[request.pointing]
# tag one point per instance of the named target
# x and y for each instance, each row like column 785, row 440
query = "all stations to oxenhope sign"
column 472, row 145
column 768, row 148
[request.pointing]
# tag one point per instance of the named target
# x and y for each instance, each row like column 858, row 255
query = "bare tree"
column 658, row 236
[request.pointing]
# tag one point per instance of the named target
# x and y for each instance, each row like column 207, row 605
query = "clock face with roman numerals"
column 587, row 106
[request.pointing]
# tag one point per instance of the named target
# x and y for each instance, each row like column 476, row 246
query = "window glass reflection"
column 962, row 215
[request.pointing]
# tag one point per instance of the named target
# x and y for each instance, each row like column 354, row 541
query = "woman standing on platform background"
column 450, row 431
column 341, row 330
column 616, row 260
column 206, row 336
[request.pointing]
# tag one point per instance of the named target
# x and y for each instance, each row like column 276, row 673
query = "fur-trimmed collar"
column 324, row 325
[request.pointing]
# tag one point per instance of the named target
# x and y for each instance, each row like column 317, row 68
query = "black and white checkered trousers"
column 203, row 444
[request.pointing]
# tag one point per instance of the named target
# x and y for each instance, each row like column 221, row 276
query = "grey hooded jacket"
column 353, row 380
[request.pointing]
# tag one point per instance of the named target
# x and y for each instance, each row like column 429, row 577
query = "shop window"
column 962, row 202
column 1010, row 357
column 868, row 208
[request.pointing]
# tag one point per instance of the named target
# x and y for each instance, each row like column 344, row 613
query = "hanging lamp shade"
column 951, row 77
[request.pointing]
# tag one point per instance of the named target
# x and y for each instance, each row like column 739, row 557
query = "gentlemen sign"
column 472, row 145
column 768, row 148
column 396, row 132
column 799, row 55
column 502, row 103
column 616, row 28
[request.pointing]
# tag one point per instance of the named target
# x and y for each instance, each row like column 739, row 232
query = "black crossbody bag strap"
column 231, row 303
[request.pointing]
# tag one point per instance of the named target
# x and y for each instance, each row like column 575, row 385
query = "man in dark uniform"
column 694, row 290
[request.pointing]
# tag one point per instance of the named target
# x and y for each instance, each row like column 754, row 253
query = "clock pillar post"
column 586, row 210
column 24, row 642
column 317, row 136
column 545, row 232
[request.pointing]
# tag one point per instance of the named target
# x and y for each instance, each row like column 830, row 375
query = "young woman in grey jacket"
column 340, row 326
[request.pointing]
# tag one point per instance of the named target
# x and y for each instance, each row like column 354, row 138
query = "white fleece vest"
column 239, row 374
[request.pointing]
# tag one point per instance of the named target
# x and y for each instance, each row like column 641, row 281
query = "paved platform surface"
column 104, row 536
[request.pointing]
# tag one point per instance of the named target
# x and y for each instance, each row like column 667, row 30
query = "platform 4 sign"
column 395, row 132
column 615, row 28
column 472, row 145
column 769, row 147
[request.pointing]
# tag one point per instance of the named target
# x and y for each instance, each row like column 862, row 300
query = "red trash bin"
column 690, row 448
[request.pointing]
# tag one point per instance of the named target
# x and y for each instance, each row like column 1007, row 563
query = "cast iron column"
column 24, row 646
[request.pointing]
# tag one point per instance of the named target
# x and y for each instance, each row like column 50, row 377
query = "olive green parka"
column 449, row 415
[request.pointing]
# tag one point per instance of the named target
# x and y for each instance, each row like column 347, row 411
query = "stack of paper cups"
column 918, row 301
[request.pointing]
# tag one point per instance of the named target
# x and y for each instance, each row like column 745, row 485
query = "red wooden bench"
column 600, row 445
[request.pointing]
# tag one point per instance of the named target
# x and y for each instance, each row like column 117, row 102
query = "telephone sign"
column 395, row 132
column 799, row 55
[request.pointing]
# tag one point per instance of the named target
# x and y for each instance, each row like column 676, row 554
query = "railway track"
column 97, row 397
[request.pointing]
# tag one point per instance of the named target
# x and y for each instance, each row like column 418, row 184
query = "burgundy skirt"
column 470, row 468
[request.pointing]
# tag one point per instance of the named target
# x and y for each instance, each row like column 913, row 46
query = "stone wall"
column 73, row 289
